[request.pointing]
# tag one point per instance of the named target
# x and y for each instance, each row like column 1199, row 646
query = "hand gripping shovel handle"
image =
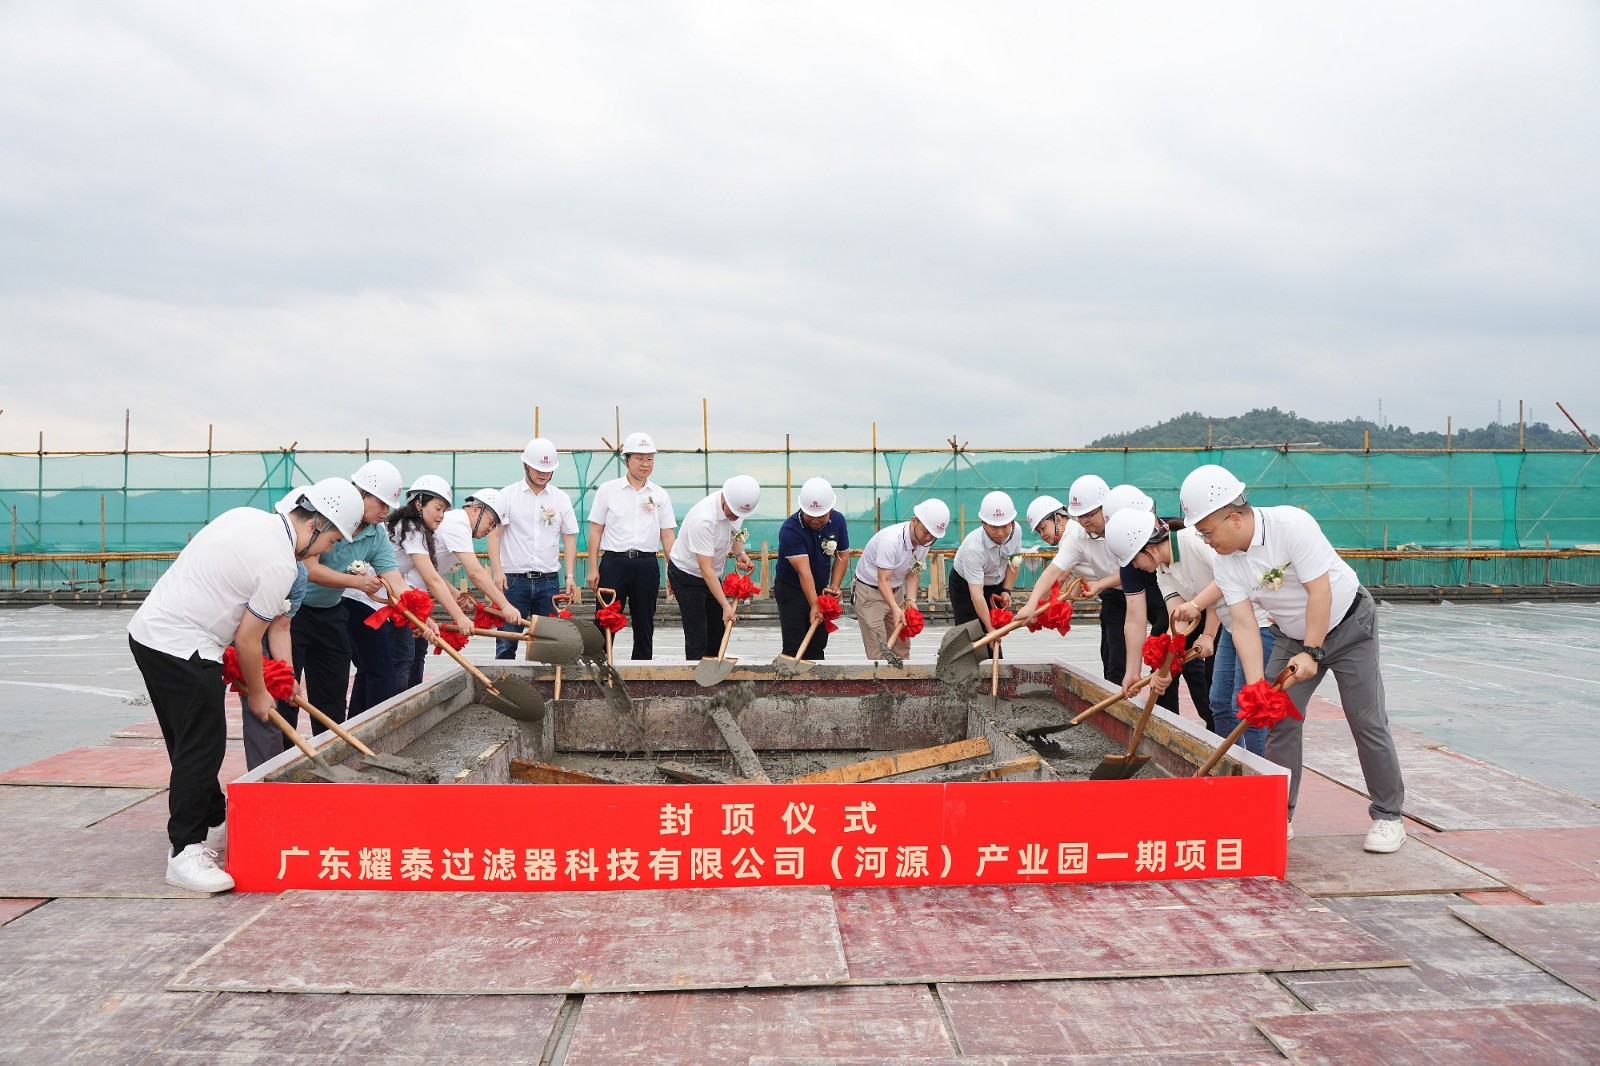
column 1281, row 684
column 1165, row 670
column 293, row 734
column 727, row 631
column 461, row 661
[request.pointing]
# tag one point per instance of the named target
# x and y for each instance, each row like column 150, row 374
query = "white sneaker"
column 1291, row 832
column 1386, row 835
column 195, row 868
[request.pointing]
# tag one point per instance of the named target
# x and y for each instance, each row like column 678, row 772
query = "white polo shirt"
column 1088, row 557
column 1195, row 569
column 983, row 562
column 242, row 560
column 706, row 530
column 453, row 535
column 530, row 537
column 633, row 518
column 890, row 549
column 1290, row 539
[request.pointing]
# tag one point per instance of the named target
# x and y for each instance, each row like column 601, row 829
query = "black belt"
column 631, row 553
column 534, row 574
column 1352, row 609
column 869, row 584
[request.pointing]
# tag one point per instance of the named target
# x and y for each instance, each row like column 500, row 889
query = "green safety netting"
column 137, row 501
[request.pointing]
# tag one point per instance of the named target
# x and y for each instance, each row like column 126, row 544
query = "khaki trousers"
column 872, row 615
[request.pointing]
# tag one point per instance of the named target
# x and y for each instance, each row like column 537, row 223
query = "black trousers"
column 187, row 697
column 322, row 655
column 794, row 618
column 1113, row 645
column 374, row 659
column 961, row 603
column 702, row 614
column 637, row 581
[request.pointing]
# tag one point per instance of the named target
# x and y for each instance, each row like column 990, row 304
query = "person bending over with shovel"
column 985, row 567
column 225, row 587
column 1278, row 559
column 706, row 537
column 888, row 575
column 1081, row 552
column 813, row 544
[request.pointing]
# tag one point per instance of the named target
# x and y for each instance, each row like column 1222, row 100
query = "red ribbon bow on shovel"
column 278, row 675
column 830, row 609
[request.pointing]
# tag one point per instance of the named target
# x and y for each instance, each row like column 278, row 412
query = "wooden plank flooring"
column 1337, row 866
column 1563, row 938
column 1553, row 1034
column 110, row 766
column 1547, row 865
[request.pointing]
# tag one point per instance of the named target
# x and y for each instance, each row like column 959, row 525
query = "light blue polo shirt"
column 371, row 545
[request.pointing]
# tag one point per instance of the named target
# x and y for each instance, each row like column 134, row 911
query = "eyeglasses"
column 1207, row 534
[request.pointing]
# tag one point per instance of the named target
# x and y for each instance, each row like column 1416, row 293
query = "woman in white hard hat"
column 813, row 545
column 889, row 573
column 630, row 520
column 226, row 587
column 1278, row 559
column 1144, row 612
column 1082, row 553
column 694, row 565
column 537, row 542
column 987, row 562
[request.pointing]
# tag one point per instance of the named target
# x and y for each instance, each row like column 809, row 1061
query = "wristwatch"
column 1315, row 653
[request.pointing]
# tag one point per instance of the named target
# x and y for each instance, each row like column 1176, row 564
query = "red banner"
column 508, row 838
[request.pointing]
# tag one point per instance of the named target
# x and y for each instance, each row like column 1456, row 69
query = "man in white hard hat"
column 1081, row 552
column 813, row 544
column 630, row 520
column 694, row 565
column 986, row 565
column 1144, row 608
column 537, row 543
column 1047, row 516
column 226, row 586
column 889, row 573
column 1324, row 621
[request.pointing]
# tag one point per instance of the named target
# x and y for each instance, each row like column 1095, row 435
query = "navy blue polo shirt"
column 1135, row 581
column 796, row 538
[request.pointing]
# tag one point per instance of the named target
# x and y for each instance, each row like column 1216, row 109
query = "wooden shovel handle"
column 292, row 733
column 498, row 634
column 727, row 631
column 995, row 634
column 890, row 642
column 1137, row 686
column 1238, row 731
column 448, row 650
column 338, row 730
column 800, row 653
column 600, row 597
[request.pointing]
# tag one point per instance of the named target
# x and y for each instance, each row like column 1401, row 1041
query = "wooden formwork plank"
column 1562, row 938
column 1022, row 932
column 1327, row 808
column 64, row 806
column 11, row 909
column 440, row 1029
column 115, row 945
column 1548, row 865
column 1160, row 1016
column 93, row 1027
column 1337, row 866
column 1550, row 1034
column 109, row 766
column 683, row 1029
column 1267, row 1057
column 1022, row 764
column 541, row 773
column 903, row 763
column 530, row 943
column 1452, row 964
column 107, row 859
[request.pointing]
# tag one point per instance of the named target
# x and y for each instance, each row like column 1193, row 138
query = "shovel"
column 600, row 598
column 1036, row 735
column 523, row 705
column 395, row 764
column 339, row 775
column 790, row 666
column 549, row 640
column 708, row 672
column 1282, row 685
column 888, row 648
column 1121, row 767
column 958, row 651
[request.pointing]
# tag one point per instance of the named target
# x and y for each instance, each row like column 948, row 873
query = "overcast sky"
column 1023, row 224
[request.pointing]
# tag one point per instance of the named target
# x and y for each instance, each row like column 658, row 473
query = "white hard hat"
column 639, row 444
column 934, row 515
column 380, row 478
column 1205, row 490
column 432, row 485
column 741, row 493
column 1128, row 531
column 333, row 498
column 1041, row 508
column 997, row 509
column 817, row 497
column 492, row 499
column 1125, row 496
column 1087, row 493
column 541, row 455
column 290, row 498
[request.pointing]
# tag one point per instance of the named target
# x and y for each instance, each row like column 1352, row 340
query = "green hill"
column 1273, row 428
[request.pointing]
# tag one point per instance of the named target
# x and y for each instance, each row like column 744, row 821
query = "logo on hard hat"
column 1074, row 501
column 999, row 512
column 815, row 503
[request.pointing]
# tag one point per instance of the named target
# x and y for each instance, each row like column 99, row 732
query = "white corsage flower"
column 286, row 608
column 548, row 515
column 1272, row 580
column 830, row 546
column 741, row 536
column 648, row 505
column 359, row 568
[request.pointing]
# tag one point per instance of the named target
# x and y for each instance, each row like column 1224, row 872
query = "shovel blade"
column 594, row 642
column 337, row 775
column 708, row 672
column 517, row 700
column 957, row 663
column 555, row 640
column 411, row 769
column 1118, row 767
column 789, row 666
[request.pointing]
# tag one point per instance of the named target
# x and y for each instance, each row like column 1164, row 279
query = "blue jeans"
column 370, row 650
column 408, row 653
column 1226, row 681
column 531, row 596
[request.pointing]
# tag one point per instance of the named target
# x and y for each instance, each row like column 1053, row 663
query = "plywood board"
column 886, row 1022
column 468, row 942
column 1452, row 964
column 1503, row 898
column 1018, row 932
column 1554, row 1034
column 1327, row 808
column 104, row 860
column 344, row 1029
column 64, row 807
column 1548, row 865
column 150, row 729
column 1159, row 1016
column 1563, row 938
column 1449, row 791
column 1267, row 1057
column 109, row 766
column 95, row 1027
column 11, row 909
column 903, row 763
column 115, row 945
column 1337, row 866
